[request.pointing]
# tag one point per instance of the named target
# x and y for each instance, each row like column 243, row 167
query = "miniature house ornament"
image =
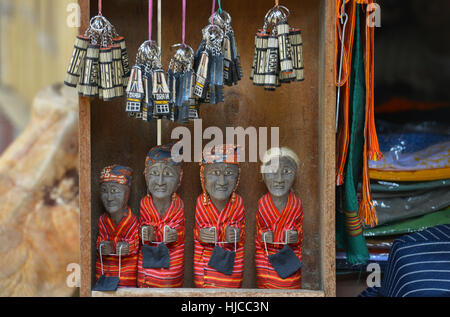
column 118, row 238
column 279, row 223
column 161, row 258
column 219, row 222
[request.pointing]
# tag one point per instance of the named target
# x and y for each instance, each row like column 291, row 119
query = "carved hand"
column 268, row 235
column 208, row 235
column 148, row 233
column 232, row 234
column 106, row 247
column 125, row 248
column 171, row 235
column 292, row 236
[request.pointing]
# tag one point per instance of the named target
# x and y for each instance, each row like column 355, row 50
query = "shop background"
column 39, row 213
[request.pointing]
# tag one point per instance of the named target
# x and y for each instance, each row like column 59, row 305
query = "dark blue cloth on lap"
column 285, row 262
column 155, row 257
column 106, row 284
column 222, row 260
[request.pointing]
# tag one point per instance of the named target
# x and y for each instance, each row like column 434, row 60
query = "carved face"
column 162, row 179
column 220, row 180
column 114, row 196
column 280, row 181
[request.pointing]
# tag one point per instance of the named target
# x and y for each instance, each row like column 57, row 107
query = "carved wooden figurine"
column 219, row 222
column 161, row 258
column 279, row 223
column 118, row 238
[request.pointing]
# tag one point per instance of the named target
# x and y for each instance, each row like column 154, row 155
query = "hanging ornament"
column 216, row 62
column 148, row 94
column 99, row 65
column 278, row 55
column 232, row 69
column 181, row 79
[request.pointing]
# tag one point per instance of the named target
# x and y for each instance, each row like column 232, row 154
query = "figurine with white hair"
column 279, row 223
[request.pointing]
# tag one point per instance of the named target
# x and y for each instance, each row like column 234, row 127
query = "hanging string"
column 99, row 7
column 212, row 11
column 277, row 3
column 183, row 31
column 150, row 16
column 220, row 7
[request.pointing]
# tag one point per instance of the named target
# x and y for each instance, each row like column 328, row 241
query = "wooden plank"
column 195, row 292
column 85, row 175
column 327, row 149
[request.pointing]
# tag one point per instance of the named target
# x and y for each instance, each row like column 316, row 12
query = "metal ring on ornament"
column 277, row 14
column 184, row 53
column 184, row 47
column 220, row 19
column 212, row 33
column 98, row 23
column 148, row 52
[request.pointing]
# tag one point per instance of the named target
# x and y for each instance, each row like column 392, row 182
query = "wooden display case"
column 304, row 113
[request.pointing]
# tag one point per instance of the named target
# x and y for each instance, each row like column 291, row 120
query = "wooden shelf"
column 304, row 113
column 196, row 292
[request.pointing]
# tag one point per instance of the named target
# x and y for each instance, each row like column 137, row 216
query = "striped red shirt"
column 174, row 218
column 127, row 231
column 232, row 215
column 268, row 218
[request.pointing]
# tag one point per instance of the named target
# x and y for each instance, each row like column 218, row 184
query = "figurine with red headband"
column 161, row 258
column 118, row 237
column 219, row 221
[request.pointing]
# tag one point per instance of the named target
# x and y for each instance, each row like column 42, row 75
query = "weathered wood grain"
column 195, row 292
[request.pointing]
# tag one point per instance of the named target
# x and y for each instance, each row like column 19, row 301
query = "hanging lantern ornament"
column 278, row 55
column 99, row 65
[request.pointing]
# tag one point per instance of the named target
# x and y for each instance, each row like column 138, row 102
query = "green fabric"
column 355, row 246
column 388, row 186
column 341, row 237
column 391, row 207
column 411, row 225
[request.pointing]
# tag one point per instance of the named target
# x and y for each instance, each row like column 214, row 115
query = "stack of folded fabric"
column 411, row 185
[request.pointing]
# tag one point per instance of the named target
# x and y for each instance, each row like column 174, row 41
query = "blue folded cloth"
column 418, row 266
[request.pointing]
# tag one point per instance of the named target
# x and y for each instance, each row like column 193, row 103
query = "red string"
column 183, row 31
column 150, row 17
column 99, row 7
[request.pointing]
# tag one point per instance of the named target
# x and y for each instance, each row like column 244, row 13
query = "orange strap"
column 372, row 151
column 373, row 146
column 343, row 131
column 338, row 34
